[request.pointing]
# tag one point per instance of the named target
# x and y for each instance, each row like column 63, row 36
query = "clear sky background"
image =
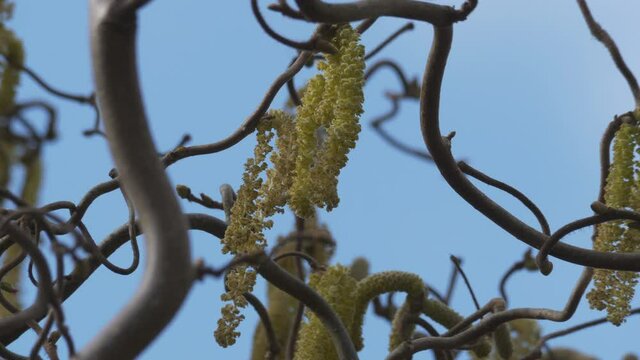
column 527, row 89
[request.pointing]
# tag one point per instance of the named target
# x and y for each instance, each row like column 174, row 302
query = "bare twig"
column 469, row 170
column 316, row 43
column 527, row 262
column 308, row 258
column 408, row 26
column 82, row 99
column 536, row 352
column 283, row 7
column 491, row 322
column 274, row 348
column 603, row 36
column 456, row 261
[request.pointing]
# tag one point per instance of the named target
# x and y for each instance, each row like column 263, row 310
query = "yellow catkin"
column 327, row 124
column 614, row 290
column 307, row 125
column 244, row 235
column 12, row 50
column 310, row 153
column 377, row 284
column 282, row 308
column 401, row 329
column 336, row 286
column 29, row 193
column 275, row 190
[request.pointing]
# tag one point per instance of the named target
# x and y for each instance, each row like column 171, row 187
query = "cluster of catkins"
column 312, row 148
column 349, row 294
column 614, row 290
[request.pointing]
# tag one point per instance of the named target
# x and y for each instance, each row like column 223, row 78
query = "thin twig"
column 286, row 10
column 456, row 262
column 292, row 337
column 40, row 81
column 492, row 321
column 469, row 170
column 316, row 43
column 453, row 277
column 274, row 348
column 440, row 354
column 408, row 26
column 308, row 258
column 536, row 352
column 603, row 36
column 526, row 263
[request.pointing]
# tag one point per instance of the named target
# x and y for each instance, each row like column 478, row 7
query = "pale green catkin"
column 614, row 290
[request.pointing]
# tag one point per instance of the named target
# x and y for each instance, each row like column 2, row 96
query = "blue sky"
column 527, row 90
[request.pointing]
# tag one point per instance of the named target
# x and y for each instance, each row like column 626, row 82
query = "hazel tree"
column 315, row 307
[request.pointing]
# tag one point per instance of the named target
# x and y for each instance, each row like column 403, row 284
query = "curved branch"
column 406, row 86
column 85, row 268
column 274, row 348
column 313, row 263
column 605, row 214
column 211, row 225
column 536, row 352
column 603, row 36
column 527, row 263
column 249, row 125
column 376, row 124
column 45, row 286
column 408, row 26
column 286, row 10
column 491, row 322
column 440, row 151
column 316, row 43
column 458, row 264
column 59, row 93
column 284, row 281
column 50, row 111
column 439, row 15
column 469, row 170
column 168, row 274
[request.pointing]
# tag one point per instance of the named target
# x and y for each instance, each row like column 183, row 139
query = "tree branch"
column 439, row 15
column 168, row 273
column 441, row 153
column 491, row 322
column 603, row 36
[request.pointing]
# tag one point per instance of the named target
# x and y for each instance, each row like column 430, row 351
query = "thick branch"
column 284, row 281
column 439, row 149
column 319, row 11
column 168, row 273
